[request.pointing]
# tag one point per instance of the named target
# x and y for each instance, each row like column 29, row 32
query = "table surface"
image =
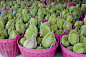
column 58, row 54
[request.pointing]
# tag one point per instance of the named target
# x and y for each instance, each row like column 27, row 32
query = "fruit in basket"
column 82, row 39
column 64, row 12
column 69, row 18
column 83, row 31
column 27, row 24
column 47, row 16
column 13, row 34
column 30, row 43
column 53, row 27
column 78, row 24
column 53, row 18
column 40, row 47
column 20, row 26
column 70, row 48
column 26, row 17
column 83, row 26
column 29, row 32
column 59, row 7
column 10, row 23
column 2, row 36
column 2, row 24
column 4, row 32
column 59, row 31
column 67, row 25
column 79, row 48
column 85, row 20
column 73, row 37
column 48, row 39
column 22, row 41
column 65, row 41
column 44, row 29
column 39, row 39
column 10, row 17
column 41, row 15
column 47, row 23
column 24, row 11
column 33, row 21
column 60, row 23
column 72, row 8
column 39, row 21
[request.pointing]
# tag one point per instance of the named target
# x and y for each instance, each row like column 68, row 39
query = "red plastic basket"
column 42, row 2
column 49, row 52
column 9, row 47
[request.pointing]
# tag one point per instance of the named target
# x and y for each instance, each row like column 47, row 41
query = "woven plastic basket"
column 9, row 47
column 70, row 3
column 68, row 53
column 49, row 52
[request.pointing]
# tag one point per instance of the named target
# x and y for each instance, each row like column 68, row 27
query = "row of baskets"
column 12, row 48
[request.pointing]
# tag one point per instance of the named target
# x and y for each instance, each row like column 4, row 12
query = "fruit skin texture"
column 22, row 41
column 72, row 8
column 13, row 34
column 2, row 36
column 48, row 39
column 83, row 31
column 40, row 47
column 85, row 20
column 30, row 43
column 29, row 32
column 59, row 31
column 20, row 26
column 80, row 48
column 1, row 24
column 67, row 25
column 53, row 18
column 39, row 39
column 65, row 41
column 70, row 48
column 4, row 32
column 73, row 37
column 33, row 21
column 10, row 23
column 44, row 29
column 83, row 40
column 78, row 24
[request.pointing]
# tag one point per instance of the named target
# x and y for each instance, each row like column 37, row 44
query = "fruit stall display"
column 36, row 28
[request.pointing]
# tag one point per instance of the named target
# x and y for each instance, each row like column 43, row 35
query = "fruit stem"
column 40, row 36
column 33, row 35
column 30, row 23
column 40, row 45
column 60, row 28
column 81, row 35
column 12, row 28
column 75, row 28
column 41, row 24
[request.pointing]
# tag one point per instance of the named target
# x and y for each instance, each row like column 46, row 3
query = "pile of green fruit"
column 32, row 40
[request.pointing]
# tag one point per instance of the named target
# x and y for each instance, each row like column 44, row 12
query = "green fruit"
column 10, row 23
column 53, row 18
column 39, row 39
column 44, row 29
column 67, row 25
column 33, row 21
column 70, row 48
column 40, row 47
column 4, row 32
column 47, row 16
column 85, row 20
column 10, row 16
column 39, row 21
column 53, row 27
column 78, row 24
column 73, row 37
column 69, row 18
column 72, row 8
column 13, row 34
column 2, row 24
column 22, row 41
column 83, row 31
column 60, row 23
column 65, row 41
column 26, row 17
column 2, row 36
column 20, row 26
column 83, row 26
column 59, row 31
column 30, row 31
column 48, row 39
column 83, row 40
column 79, row 48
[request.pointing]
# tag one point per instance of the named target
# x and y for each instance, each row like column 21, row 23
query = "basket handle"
column 19, row 34
column 54, row 43
column 66, row 30
column 24, row 32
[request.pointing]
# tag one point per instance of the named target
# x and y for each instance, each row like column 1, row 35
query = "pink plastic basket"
column 44, row 21
column 49, row 52
column 9, row 47
column 59, row 35
column 56, row 3
column 42, row 2
column 70, row 3
column 4, row 10
column 68, row 53
column 73, row 25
